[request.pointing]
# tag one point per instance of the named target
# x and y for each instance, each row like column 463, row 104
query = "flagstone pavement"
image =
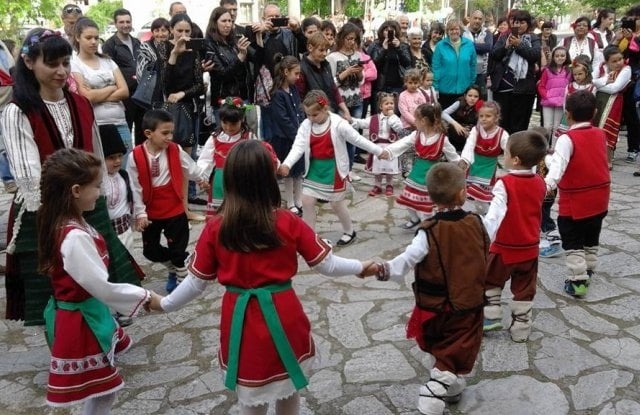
column 583, row 356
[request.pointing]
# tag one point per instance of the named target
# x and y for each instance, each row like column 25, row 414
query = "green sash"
column 420, row 169
column 273, row 324
column 95, row 313
column 322, row 171
column 483, row 167
column 217, row 187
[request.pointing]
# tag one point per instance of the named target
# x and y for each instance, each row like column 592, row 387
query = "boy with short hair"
column 156, row 169
column 580, row 172
column 449, row 256
column 513, row 223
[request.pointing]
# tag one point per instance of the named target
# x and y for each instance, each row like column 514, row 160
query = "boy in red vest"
column 156, row 170
column 513, row 223
column 580, row 172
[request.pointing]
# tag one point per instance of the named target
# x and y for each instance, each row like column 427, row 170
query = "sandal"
column 346, row 239
column 410, row 224
column 296, row 210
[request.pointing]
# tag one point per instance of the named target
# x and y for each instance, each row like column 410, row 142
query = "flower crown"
column 322, row 101
column 235, row 102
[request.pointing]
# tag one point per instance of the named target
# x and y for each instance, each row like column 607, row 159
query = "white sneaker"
column 354, row 177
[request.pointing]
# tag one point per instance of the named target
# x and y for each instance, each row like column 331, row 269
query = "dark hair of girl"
column 433, row 114
column 212, row 28
column 231, row 113
column 553, row 66
column 609, row 51
column 310, row 21
column 346, row 30
column 81, row 25
column 251, row 197
column 603, row 14
column 39, row 43
column 60, row 172
column 284, row 64
column 389, row 25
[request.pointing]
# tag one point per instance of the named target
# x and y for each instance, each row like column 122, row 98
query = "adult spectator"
column 230, row 74
column 548, row 41
column 436, row 32
column 482, row 40
column 153, row 54
column 316, row 74
column 308, row 26
column 43, row 117
column 628, row 40
column 346, row 68
column 177, row 8
column 100, row 80
column 6, row 89
column 513, row 76
column 502, row 27
column 403, row 22
column 232, row 7
column 392, row 58
column 124, row 49
column 70, row 15
column 414, row 39
column 453, row 65
column 329, row 31
column 601, row 31
column 581, row 44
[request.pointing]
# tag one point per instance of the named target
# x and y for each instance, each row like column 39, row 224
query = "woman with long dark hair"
column 44, row 117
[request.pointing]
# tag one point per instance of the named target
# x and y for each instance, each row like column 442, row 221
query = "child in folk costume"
column 322, row 139
column 485, row 143
column 233, row 129
column 462, row 116
column 582, row 79
column 449, row 254
column 117, row 190
column 513, row 224
column 82, row 334
column 427, row 86
column 251, row 247
column 613, row 77
column 157, row 168
column 430, row 144
column 286, row 103
column 384, row 128
column 578, row 169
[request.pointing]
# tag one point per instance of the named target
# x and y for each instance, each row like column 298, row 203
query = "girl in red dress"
column 251, row 247
column 82, row 334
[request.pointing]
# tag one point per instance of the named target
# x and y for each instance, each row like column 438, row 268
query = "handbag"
column 183, row 127
column 143, row 95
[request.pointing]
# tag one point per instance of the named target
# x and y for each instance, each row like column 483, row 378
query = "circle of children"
column 73, row 175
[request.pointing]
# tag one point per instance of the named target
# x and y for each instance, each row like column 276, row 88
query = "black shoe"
column 346, row 239
column 197, row 201
column 359, row 159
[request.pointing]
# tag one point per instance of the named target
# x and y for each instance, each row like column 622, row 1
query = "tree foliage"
column 15, row 14
column 548, row 8
column 102, row 13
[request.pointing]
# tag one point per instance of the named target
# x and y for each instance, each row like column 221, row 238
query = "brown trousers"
column 523, row 276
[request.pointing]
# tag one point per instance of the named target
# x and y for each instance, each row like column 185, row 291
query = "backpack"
column 274, row 49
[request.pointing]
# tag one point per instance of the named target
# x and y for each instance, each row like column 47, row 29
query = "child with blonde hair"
column 411, row 98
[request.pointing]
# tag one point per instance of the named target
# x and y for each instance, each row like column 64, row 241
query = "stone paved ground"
column 583, row 356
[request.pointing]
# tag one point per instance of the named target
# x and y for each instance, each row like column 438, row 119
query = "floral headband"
column 35, row 39
column 235, row 102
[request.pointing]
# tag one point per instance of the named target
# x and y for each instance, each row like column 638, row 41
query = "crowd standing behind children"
column 315, row 167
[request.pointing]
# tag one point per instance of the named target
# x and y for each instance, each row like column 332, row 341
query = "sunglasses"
column 72, row 10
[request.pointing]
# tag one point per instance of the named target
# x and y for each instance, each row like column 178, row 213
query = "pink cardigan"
column 370, row 74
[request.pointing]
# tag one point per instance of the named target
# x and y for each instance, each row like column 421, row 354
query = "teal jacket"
column 454, row 72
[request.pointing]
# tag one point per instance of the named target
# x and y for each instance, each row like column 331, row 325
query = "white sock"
column 99, row 406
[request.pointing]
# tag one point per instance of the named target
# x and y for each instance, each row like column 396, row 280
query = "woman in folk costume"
column 42, row 107
column 486, row 142
column 82, row 334
column 613, row 77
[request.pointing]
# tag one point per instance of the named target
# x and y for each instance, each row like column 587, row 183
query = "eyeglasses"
column 72, row 10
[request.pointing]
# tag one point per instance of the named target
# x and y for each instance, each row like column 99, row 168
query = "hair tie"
column 322, row 101
column 236, row 102
column 35, row 39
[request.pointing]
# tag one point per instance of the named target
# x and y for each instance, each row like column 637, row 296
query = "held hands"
column 154, row 302
column 283, row 170
column 203, row 184
column 385, row 155
column 460, row 129
column 369, row 268
column 141, row 223
column 463, row 164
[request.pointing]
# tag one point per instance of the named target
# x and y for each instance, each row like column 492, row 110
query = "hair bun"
column 278, row 57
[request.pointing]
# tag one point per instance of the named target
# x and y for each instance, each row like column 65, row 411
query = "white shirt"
column 408, row 142
column 477, row 132
column 115, row 188
column 560, row 159
column 621, row 81
column 385, row 125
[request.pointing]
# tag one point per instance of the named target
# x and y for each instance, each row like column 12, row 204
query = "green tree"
column 17, row 13
column 102, row 13
column 619, row 5
column 549, row 8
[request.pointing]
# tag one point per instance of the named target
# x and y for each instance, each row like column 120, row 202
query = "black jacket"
column 229, row 76
column 499, row 59
column 121, row 55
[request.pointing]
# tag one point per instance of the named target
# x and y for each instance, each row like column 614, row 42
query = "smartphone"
column 390, row 35
column 209, row 56
column 363, row 62
column 515, row 31
column 628, row 23
column 195, row 44
column 280, row 21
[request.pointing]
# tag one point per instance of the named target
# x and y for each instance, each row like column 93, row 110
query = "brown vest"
column 451, row 277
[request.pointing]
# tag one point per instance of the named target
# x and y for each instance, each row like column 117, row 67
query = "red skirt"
column 79, row 369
